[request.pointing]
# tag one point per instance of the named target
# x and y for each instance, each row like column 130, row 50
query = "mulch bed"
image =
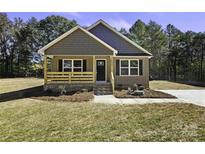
column 148, row 94
column 69, row 97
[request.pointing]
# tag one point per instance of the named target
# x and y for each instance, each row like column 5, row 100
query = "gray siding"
column 78, row 43
column 126, row 81
column 114, row 40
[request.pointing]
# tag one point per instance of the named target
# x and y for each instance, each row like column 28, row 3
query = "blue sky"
column 184, row 21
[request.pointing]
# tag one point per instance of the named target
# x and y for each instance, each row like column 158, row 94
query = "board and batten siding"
column 78, row 43
column 126, row 81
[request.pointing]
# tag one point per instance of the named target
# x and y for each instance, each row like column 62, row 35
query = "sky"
column 182, row 20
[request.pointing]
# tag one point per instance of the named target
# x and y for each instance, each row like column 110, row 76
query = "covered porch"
column 78, row 69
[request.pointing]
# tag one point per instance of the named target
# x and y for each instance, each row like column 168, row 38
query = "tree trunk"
column 11, row 64
column 169, row 70
column 175, row 68
column 159, row 68
column 7, row 66
column 201, row 62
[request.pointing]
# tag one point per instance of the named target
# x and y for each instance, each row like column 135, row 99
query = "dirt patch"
column 69, row 97
column 148, row 93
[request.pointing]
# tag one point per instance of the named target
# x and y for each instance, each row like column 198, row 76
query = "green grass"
column 167, row 85
column 34, row 120
column 14, row 84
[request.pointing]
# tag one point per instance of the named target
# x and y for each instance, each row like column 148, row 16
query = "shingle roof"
column 122, row 46
column 115, row 39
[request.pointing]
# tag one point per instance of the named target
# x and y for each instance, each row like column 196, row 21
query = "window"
column 71, row 65
column 67, row 65
column 129, row 67
column 77, row 66
column 124, row 67
column 134, row 67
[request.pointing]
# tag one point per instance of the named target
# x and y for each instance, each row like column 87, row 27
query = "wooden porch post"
column 112, row 79
column 94, row 70
column 45, row 69
column 111, row 62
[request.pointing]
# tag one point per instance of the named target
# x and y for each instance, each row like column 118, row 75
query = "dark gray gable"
column 78, row 43
column 116, row 41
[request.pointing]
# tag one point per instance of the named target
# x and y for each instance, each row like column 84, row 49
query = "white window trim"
column 129, row 67
column 72, row 68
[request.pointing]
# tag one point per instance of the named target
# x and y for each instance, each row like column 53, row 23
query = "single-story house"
column 97, row 56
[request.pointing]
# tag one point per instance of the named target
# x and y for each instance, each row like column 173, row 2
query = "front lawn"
column 35, row 120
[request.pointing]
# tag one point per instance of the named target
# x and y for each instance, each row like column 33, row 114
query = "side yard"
column 167, row 85
column 14, row 84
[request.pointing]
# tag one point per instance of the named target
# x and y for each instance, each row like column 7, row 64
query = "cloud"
column 87, row 24
column 119, row 23
column 74, row 14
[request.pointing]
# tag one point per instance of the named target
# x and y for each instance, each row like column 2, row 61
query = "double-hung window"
column 129, row 67
column 134, row 67
column 124, row 67
column 67, row 65
column 77, row 65
column 72, row 65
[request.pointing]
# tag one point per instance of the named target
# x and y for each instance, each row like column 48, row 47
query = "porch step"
column 103, row 89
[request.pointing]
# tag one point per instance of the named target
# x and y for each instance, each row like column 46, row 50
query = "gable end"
column 115, row 39
column 78, row 41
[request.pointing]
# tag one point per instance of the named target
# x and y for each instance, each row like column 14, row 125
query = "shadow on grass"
column 39, row 93
column 24, row 93
column 192, row 83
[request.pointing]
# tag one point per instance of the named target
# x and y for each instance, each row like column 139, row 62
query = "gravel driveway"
column 193, row 96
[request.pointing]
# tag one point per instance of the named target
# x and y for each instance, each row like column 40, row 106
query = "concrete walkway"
column 193, row 96
column 110, row 99
column 183, row 96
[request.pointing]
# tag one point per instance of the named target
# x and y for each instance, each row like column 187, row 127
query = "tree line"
column 20, row 41
column 177, row 55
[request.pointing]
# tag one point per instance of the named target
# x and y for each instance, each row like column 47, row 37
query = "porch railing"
column 71, row 77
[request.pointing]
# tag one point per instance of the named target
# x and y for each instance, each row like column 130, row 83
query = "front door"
column 100, row 70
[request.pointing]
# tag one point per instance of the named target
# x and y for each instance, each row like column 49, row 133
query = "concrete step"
column 103, row 86
column 103, row 89
column 103, row 93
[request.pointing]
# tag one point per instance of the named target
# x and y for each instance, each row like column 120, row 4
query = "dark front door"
column 100, row 64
